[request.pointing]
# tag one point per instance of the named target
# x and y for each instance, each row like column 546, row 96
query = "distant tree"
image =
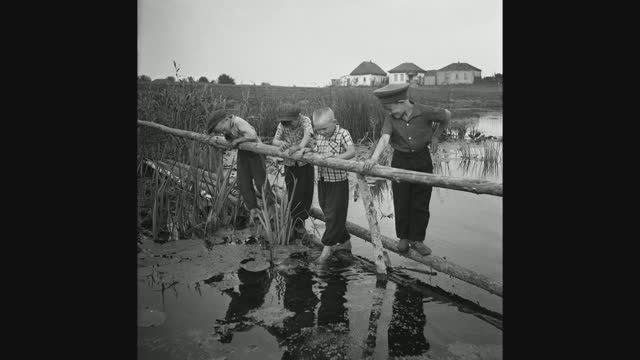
column 265, row 84
column 203, row 79
column 213, row 81
column 225, row 79
column 144, row 78
column 170, row 79
column 191, row 79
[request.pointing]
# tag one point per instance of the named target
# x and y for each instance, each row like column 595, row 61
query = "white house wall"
column 429, row 80
column 402, row 78
column 363, row 80
column 456, row 77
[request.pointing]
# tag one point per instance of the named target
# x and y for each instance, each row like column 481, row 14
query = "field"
column 182, row 105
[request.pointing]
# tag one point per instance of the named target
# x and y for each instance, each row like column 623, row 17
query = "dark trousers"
column 334, row 202
column 251, row 169
column 411, row 201
column 303, row 194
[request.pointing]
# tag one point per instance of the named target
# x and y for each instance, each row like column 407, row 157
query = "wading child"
column 294, row 133
column 250, row 165
column 408, row 127
column 333, row 185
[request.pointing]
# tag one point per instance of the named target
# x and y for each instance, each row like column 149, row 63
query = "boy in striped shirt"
column 333, row 185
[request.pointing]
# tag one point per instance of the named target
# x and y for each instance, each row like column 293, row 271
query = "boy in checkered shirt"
column 295, row 133
column 333, row 185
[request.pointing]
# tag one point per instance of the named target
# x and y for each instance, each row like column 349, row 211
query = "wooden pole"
column 380, row 256
column 476, row 186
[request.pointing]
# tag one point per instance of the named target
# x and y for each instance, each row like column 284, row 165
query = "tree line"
column 222, row 79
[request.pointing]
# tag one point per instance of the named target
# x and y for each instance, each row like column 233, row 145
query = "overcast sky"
column 309, row 42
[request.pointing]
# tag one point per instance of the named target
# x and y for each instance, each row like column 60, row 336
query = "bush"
column 203, row 79
column 170, row 79
column 225, row 79
column 144, row 78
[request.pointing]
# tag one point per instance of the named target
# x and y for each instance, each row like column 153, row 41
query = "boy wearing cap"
column 250, row 166
column 333, row 185
column 294, row 133
column 408, row 128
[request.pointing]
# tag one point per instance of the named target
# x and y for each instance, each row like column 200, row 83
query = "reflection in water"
column 252, row 290
column 406, row 330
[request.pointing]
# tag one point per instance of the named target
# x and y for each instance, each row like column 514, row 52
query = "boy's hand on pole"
column 369, row 164
column 293, row 149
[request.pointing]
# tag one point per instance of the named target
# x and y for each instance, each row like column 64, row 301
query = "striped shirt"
column 293, row 136
column 335, row 144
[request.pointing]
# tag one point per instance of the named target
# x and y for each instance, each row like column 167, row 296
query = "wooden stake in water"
column 380, row 255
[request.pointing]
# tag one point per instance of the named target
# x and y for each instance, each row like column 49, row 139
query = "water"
column 339, row 313
column 310, row 313
column 490, row 124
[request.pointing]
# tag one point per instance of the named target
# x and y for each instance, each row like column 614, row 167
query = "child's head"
column 394, row 99
column 288, row 115
column 324, row 122
column 219, row 121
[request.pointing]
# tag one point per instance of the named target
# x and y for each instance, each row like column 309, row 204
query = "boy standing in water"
column 408, row 128
column 333, row 185
column 250, row 165
column 294, row 133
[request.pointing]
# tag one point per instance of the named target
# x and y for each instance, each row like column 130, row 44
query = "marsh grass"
column 188, row 194
column 276, row 224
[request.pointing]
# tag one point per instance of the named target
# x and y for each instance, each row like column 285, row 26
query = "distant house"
column 366, row 74
column 429, row 77
column 457, row 73
column 406, row 73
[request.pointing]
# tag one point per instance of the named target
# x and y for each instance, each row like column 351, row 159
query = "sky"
column 309, row 42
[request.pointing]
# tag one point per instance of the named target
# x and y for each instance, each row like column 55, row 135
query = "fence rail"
column 476, row 186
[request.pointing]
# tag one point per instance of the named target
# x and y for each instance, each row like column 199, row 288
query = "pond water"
column 490, row 124
column 341, row 313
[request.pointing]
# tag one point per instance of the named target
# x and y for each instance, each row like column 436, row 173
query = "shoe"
column 403, row 245
column 421, row 248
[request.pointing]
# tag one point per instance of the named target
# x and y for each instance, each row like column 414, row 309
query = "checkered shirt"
column 294, row 136
column 335, row 144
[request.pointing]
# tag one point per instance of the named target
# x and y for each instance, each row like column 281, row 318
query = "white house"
column 457, row 73
column 406, row 73
column 366, row 74
column 429, row 77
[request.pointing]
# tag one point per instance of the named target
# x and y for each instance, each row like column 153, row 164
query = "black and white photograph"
column 319, row 179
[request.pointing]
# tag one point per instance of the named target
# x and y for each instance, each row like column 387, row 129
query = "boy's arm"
column 351, row 149
column 305, row 138
column 443, row 122
column 382, row 144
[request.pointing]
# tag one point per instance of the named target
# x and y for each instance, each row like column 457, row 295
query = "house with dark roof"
column 367, row 73
column 457, row 73
column 406, row 73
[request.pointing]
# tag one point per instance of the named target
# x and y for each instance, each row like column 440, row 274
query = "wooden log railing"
column 476, row 186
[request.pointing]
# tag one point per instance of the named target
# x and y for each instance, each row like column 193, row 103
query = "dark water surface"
column 309, row 314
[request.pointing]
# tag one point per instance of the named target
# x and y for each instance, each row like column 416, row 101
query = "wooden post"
column 379, row 254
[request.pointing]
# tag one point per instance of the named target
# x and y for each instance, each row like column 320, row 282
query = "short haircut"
column 325, row 111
